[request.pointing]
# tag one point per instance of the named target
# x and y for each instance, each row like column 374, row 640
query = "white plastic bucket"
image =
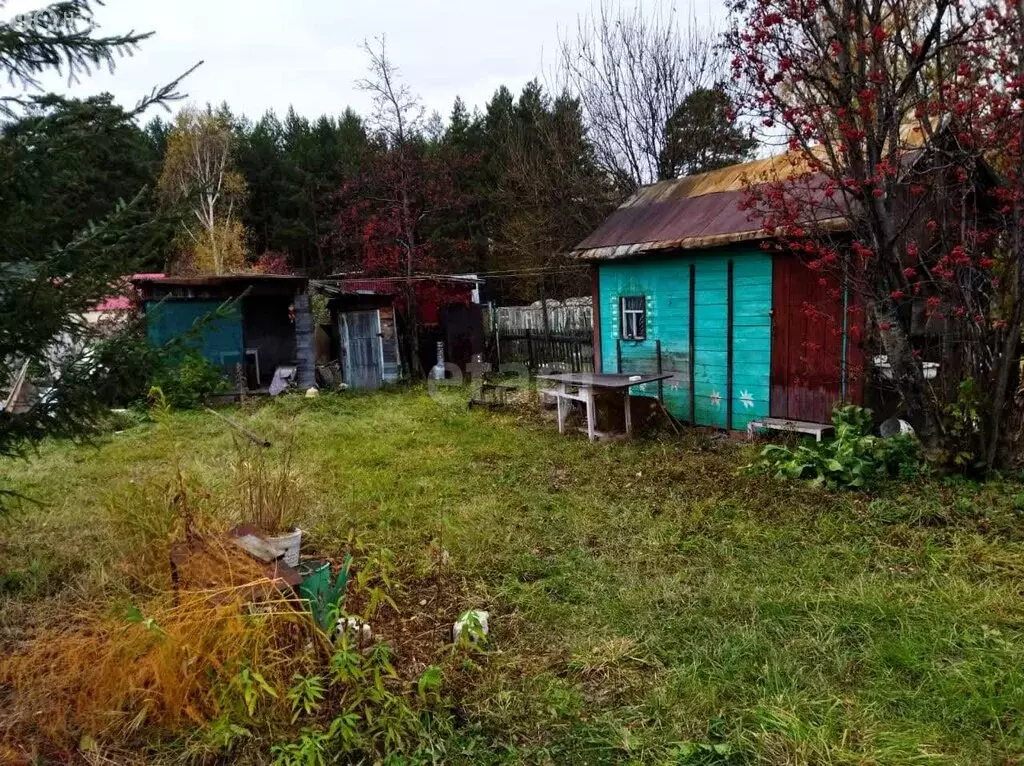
column 288, row 546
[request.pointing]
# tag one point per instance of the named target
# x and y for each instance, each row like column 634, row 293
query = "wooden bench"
column 817, row 430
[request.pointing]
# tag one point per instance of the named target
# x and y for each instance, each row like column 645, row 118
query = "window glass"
column 633, row 317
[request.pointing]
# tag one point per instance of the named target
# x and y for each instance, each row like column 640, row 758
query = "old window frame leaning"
column 633, row 317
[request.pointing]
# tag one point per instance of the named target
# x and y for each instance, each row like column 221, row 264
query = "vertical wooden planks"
column 661, row 383
column 808, row 344
column 751, row 339
column 595, row 284
column 711, row 343
column 665, row 284
column 221, row 341
column 781, row 327
column 688, row 298
column 729, row 302
column 692, row 344
column 362, row 342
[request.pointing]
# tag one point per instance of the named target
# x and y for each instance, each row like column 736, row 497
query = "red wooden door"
column 807, row 344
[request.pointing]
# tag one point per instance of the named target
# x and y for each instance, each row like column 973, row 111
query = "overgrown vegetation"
column 854, row 459
column 74, row 215
column 211, row 654
column 269, row 489
column 187, row 382
column 648, row 602
column 135, row 372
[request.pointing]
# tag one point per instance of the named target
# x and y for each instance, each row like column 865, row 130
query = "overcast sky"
column 263, row 54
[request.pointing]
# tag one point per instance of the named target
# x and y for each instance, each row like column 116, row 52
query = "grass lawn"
column 648, row 602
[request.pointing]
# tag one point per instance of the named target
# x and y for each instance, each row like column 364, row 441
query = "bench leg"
column 629, row 413
column 591, row 416
column 560, row 404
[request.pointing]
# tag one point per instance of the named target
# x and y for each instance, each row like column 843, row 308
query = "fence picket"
column 567, row 345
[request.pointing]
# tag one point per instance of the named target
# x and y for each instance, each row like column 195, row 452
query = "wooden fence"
column 538, row 351
column 574, row 316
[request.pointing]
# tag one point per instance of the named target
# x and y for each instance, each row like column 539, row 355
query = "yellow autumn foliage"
column 198, row 171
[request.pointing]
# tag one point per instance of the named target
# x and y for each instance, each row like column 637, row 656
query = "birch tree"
column 198, row 167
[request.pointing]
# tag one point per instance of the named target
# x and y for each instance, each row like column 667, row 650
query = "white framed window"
column 633, row 317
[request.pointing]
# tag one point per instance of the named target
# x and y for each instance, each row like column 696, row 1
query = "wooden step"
column 817, row 430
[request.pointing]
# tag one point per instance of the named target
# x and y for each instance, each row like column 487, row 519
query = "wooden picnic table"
column 586, row 386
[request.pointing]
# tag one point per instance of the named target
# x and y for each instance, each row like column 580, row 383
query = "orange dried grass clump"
column 168, row 664
column 167, row 661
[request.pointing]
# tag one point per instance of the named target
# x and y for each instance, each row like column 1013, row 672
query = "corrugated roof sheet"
column 348, row 276
column 705, row 210
column 697, row 211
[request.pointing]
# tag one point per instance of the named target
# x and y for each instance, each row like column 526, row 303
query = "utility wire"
column 458, row 277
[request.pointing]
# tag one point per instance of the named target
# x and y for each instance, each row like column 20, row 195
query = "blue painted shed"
column 264, row 321
column 682, row 285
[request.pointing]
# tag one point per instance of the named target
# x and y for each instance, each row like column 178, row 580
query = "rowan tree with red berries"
column 392, row 214
column 902, row 183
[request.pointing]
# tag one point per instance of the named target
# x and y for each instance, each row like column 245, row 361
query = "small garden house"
column 447, row 311
column 683, row 286
column 363, row 322
column 266, row 323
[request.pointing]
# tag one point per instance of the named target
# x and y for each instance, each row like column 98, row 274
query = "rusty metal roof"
column 697, row 211
column 705, row 210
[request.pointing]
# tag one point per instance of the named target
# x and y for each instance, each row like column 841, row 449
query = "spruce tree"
column 703, row 134
column 86, row 241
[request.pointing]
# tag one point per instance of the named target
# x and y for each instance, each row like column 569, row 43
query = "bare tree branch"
column 397, row 111
column 630, row 70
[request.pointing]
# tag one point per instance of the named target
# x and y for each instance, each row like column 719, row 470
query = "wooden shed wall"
column 717, row 398
column 367, row 340
column 807, row 344
column 268, row 328
column 220, row 341
column 787, row 335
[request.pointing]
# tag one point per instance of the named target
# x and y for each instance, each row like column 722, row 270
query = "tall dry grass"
column 164, row 651
column 169, row 663
column 268, row 489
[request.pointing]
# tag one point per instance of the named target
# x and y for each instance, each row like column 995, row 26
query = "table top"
column 603, row 380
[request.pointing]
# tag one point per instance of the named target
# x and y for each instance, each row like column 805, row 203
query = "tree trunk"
column 217, row 266
column 907, row 372
column 908, row 377
column 415, row 367
column 1007, row 365
column 1006, row 369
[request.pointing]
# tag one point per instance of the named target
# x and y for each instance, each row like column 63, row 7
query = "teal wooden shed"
column 682, row 285
column 256, row 322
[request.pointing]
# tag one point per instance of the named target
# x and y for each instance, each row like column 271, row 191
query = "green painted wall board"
column 752, row 344
column 665, row 282
column 219, row 341
column 711, row 342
